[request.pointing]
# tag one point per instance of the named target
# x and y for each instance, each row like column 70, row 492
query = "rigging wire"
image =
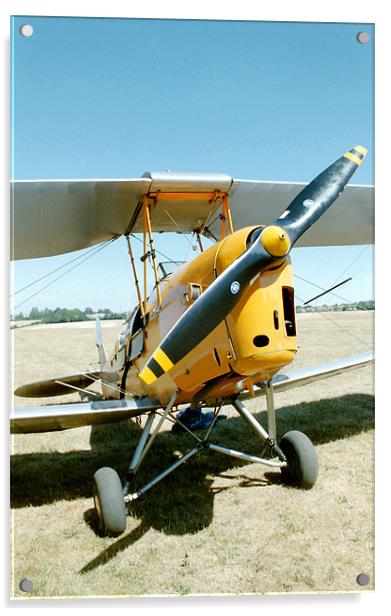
column 179, row 228
column 58, row 357
column 352, row 263
column 74, row 369
column 66, row 272
column 92, row 252
column 330, row 320
column 208, row 224
column 191, row 246
column 206, row 227
column 81, row 259
column 348, row 301
column 309, row 301
column 357, row 257
column 157, row 251
column 27, row 286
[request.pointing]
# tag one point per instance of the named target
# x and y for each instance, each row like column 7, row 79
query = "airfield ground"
column 214, row 526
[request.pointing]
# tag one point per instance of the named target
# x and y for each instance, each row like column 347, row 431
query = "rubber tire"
column 109, row 502
column 302, row 469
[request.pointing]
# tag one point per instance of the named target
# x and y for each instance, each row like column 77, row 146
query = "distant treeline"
column 66, row 315
column 363, row 305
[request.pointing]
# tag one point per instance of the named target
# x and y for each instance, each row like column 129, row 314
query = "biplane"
column 213, row 331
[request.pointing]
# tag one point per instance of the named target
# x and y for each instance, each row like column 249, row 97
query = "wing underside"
column 51, row 217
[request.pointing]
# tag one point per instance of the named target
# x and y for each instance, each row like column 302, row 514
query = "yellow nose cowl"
column 276, row 241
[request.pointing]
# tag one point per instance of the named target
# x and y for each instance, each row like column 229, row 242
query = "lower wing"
column 65, row 416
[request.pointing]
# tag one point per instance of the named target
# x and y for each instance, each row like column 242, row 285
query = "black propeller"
column 273, row 244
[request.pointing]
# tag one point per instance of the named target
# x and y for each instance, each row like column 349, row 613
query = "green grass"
column 216, row 525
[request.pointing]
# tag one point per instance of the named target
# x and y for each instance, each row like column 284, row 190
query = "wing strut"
column 136, row 282
column 148, row 205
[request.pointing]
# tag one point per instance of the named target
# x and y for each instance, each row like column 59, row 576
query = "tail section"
column 99, row 344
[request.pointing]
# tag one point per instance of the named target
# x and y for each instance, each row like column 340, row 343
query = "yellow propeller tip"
column 356, row 154
column 361, row 149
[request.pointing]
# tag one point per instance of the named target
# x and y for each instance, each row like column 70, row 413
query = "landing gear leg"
column 109, row 497
column 271, row 411
column 268, row 443
column 299, row 463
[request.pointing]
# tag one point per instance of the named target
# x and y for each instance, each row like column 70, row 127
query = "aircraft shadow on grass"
column 181, row 503
column 42, row 478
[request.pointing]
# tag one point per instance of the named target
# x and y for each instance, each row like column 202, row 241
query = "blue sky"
column 117, row 97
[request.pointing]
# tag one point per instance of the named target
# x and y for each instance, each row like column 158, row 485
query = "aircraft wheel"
column 109, row 502
column 302, row 468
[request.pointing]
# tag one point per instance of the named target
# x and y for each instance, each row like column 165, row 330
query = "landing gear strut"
column 294, row 455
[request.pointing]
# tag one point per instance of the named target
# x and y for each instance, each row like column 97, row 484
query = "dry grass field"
column 215, row 526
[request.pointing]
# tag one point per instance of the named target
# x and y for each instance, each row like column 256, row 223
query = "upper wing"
column 350, row 220
column 64, row 416
column 51, row 217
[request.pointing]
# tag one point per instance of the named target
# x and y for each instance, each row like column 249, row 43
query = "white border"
column 278, row 10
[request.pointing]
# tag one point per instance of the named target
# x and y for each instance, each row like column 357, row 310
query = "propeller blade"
column 320, row 194
column 269, row 246
column 206, row 312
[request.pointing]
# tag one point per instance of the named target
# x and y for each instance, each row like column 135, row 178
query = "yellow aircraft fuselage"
column 257, row 338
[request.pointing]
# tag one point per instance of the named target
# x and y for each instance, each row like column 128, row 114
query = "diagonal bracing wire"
column 348, row 301
column 31, row 284
column 74, row 369
column 345, row 329
column 352, row 263
column 157, row 251
column 91, row 254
